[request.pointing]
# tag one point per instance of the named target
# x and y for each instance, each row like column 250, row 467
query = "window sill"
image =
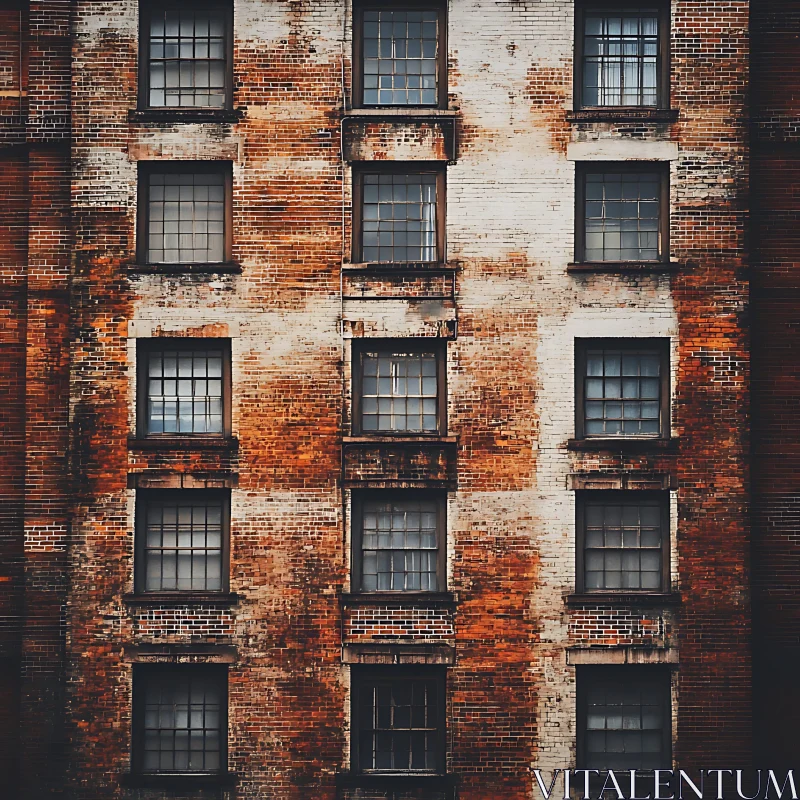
column 179, row 781
column 620, row 445
column 184, row 443
column 623, row 266
column 181, row 115
column 399, row 599
column 395, row 780
column 622, row 599
column 399, row 439
column 226, row 267
column 402, row 111
column 388, row 267
column 618, row 114
column 181, row 598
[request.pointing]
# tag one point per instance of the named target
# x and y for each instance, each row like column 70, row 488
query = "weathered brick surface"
column 509, row 313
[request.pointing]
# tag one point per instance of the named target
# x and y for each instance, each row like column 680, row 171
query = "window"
column 185, row 212
column 399, row 387
column 401, row 55
column 622, row 212
column 185, row 55
column 184, row 387
column 399, row 215
column 179, row 719
column 398, row 720
column 182, row 541
column 623, row 541
column 398, row 543
column 622, row 59
column 622, row 388
column 624, row 718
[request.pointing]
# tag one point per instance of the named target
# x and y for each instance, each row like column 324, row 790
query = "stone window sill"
column 395, row 780
column 385, row 268
column 402, row 111
column 622, row 599
column 623, row 115
column 184, row 443
column 179, row 782
column 399, row 599
column 399, row 439
column 182, row 115
column 227, row 267
column 623, row 266
column 181, row 598
column 620, row 445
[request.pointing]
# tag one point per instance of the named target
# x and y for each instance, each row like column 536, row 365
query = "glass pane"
column 404, row 52
column 399, row 218
column 621, row 216
column 187, row 56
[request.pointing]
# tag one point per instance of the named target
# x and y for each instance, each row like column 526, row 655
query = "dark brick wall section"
column 776, row 378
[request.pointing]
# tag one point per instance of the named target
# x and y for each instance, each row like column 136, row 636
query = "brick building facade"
column 377, row 400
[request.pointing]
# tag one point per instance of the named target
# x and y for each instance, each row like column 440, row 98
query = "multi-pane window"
column 622, row 214
column 184, row 214
column 622, row 541
column 398, row 216
column 398, row 721
column 180, row 719
column 622, row 388
column 186, row 61
column 399, row 390
column 621, row 53
column 181, row 537
column 399, row 544
column 624, row 718
column 184, row 387
column 400, row 56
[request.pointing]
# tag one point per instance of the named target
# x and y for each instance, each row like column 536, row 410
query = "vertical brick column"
column 709, row 216
column 46, row 370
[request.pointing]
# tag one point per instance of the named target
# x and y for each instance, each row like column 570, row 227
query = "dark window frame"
column 584, row 168
column 621, row 497
column 663, row 71
column 661, row 345
column 143, row 499
column 148, row 168
column 146, row 8
column 399, row 168
column 596, row 673
column 358, row 501
column 359, row 6
column 145, row 674
column 420, row 344
column 371, row 674
column 144, row 347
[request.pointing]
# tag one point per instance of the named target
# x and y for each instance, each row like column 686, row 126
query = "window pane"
column 185, row 405
column 620, row 59
column 615, row 386
column 622, row 217
column 187, row 58
column 403, row 394
column 399, row 546
column 623, row 545
column 625, row 721
column 183, row 545
column 186, row 218
column 402, row 48
column 399, row 725
column 182, row 725
column 399, row 218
